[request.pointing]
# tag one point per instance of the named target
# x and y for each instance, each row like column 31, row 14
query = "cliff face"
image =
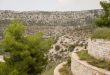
column 51, row 22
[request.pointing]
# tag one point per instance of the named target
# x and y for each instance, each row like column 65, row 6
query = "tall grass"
column 101, row 33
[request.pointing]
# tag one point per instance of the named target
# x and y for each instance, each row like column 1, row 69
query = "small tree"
column 104, row 19
column 27, row 53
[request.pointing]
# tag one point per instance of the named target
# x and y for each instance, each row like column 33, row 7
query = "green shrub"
column 69, row 61
column 71, row 48
column 104, row 19
column 57, row 47
column 4, row 70
column 27, row 53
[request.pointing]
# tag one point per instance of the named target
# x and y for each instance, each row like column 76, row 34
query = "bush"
column 69, row 61
column 104, row 19
column 4, row 70
column 57, row 47
column 71, row 48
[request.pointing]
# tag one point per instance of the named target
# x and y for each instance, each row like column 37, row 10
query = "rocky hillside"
column 48, row 22
column 50, row 18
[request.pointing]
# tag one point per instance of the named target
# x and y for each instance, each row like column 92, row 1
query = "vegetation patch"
column 48, row 71
column 83, row 55
column 71, row 48
column 57, row 47
column 27, row 53
column 101, row 33
column 66, row 70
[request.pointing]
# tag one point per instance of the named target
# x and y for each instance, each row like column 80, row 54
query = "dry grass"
column 101, row 33
column 93, row 61
column 65, row 70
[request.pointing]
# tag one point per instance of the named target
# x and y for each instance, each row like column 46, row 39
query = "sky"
column 49, row 5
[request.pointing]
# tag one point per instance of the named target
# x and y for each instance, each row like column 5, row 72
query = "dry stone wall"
column 79, row 67
column 99, row 48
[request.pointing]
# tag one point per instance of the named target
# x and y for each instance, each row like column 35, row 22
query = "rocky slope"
column 69, row 18
column 51, row 23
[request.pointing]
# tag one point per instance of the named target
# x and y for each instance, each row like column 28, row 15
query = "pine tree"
column 27, row 53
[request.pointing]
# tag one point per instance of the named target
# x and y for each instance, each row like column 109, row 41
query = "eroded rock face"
column 62, row 49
